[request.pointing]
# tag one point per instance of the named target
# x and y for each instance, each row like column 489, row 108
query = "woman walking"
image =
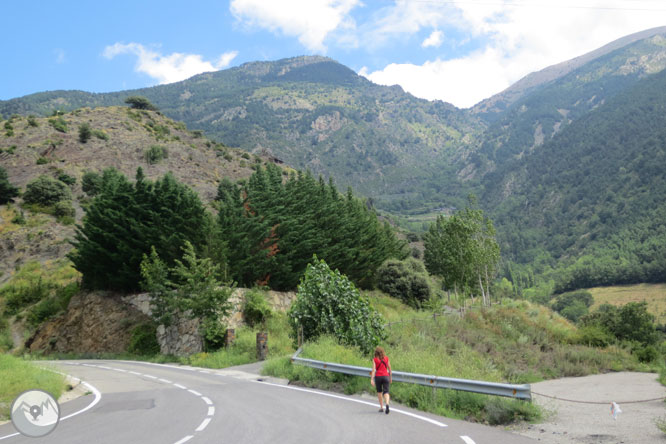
column 381, row 378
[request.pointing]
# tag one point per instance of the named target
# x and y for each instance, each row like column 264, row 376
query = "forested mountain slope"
column 593, row 196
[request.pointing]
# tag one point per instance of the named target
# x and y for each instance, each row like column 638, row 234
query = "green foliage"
column 51, row 306
column 406, row 280
column 100, row 134
column 190, row 288
column 573, row 305
column 256, row 309
column 7, row 191
column 91, row 183
column 631, row 322
column 32, row 121
column 41, row 160
column 156, row 153
column 64, row 208
column 139, row 102
column 329, row 303
column 45, row 190
column 85, row 132
column 66, row 178
column 124, row 220
column 273, row 228
column 59, row 124
column 462, row 250
column 9, row 129
column 19, row 219
column 143, row 340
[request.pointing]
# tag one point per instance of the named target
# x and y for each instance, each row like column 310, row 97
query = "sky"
column 457, row 51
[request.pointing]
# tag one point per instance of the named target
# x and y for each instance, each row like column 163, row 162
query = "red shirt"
column 381, row 367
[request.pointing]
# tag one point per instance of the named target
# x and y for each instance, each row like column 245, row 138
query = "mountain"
column 312, row 113
column 543, row 157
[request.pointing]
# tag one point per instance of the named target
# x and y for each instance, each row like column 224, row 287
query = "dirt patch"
column 588, row 420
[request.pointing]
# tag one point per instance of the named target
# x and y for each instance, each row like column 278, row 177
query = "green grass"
column 17, row 375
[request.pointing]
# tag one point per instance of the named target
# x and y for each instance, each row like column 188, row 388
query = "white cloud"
column 168, row 68
column 515, row 38
column 434, row 39
column 312, row 21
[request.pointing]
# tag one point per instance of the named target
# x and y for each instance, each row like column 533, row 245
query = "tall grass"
column 17, row 376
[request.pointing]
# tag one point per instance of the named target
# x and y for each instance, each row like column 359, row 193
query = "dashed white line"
column 119, row 370
column 135, row 373
column 187, row 438
column 204, row 371
column 166, row 381
column 194, row 392
column 467, row 440
column 211, row 411
column 207, row 401
column 180, row 386
column 203, row 425
column 150, row 376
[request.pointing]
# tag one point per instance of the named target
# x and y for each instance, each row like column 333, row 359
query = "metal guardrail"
column 516, row 391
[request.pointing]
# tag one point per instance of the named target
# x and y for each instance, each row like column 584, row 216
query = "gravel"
column 589, row 420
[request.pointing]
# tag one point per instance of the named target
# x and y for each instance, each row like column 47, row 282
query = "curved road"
column 135, row 402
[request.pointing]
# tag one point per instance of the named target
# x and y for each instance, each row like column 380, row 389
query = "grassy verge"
column 517, row 342
column 653, row 294
column 17, row 375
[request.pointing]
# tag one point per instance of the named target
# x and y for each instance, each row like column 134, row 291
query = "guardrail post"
column 262, row 346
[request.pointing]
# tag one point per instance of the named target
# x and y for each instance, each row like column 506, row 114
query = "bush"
column 32, row 121
column 91, row 183
column 646, row 353
column 327, row 302
column 7, row 191
column 64, row 209
column 58, row 124
column 256, row 309
column 66, row 178
column 143, row 340
column 100, row 134
column 631, row 322
column 405, row 280
column 156, row 153
column 46, row 191
column 84, row 132
column 594, row 336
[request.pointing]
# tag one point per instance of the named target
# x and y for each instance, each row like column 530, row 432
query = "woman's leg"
column 379, row 397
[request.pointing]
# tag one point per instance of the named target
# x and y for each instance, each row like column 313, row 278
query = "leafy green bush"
column 85, row 132
column 156, row 153
column 100, row 134
column 18, row 297
column 66, row 178
column 593, row 336
column 631, row 322
column 143, row 340
column 405, row 280
column 140, row 102
column 45, row 190
column 32, row 121
column 42, row 160
column 327, row 302
column 64, row 208
column 91, row 183
column 256, row 309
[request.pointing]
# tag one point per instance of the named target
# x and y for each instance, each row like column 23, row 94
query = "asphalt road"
column 133, row 402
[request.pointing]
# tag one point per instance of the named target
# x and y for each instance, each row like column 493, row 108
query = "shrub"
column 32, row 121
column 100, row 134
column 594, row 336
column 143, row 340
column 405, row 280
column 46, row 191
column 19, row 219
column 328, row 303
column 58, row 124
column 64, row 208
column 256, row 309
column 631, row 322
column 42, row 160
column 91, row 183
column 66, row 178
column 7, row 191
column 84, row 132
column 156, row 153
column 245, row 155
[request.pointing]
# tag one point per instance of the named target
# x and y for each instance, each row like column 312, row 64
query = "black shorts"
column 382, row 384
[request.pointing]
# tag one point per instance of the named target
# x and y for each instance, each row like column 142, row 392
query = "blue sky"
column 458, row 51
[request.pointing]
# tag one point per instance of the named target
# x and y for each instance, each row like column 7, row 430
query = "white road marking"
column 194, row 392
column 211, row 411
column 203, row 425
column 180, row 386
column 204, row 371
column 187, row 438
column 468, row 440
column 166, row 381
column 150, row 376
column 119, row 370
column 344, row 398
column 207, row 401
column 135, row 373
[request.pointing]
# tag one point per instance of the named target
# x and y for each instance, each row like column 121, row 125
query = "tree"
column 7, row 191
column 124, row 220
column 462, row 250
column 405, row 280
column 329, row 303
column 139, row 102
column 189, row 289
column 84, row 132
column 45, row 190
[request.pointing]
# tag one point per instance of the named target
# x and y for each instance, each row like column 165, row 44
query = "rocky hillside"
column 121, row 138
